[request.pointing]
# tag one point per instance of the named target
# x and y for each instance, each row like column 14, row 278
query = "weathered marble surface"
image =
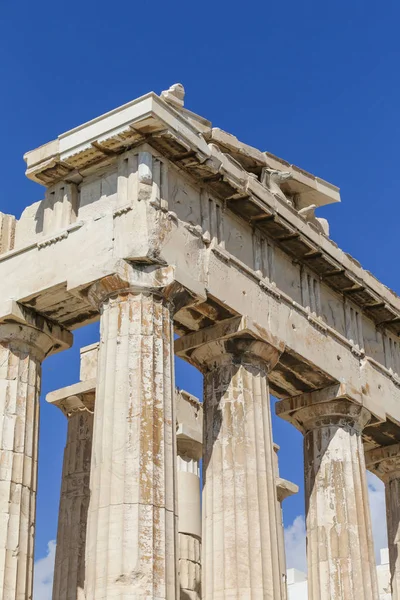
column 200, row 200
column 131, row 547
column 189, row 414
column 228, row 236
column 77, row 403
column 240, row 531
column 25, row 341
column 385, row 463
column 340, row 553
column 284, row 489
column 69, row 568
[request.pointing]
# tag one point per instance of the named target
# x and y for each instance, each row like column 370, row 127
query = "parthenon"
column 182, row 240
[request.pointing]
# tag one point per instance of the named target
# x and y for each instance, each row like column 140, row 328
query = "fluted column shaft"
column 189, row 522
column 280, row 528
column 69, row 569
column 282, row 553
column 240, row 530
column 385, row 463
column 340, row 554
column 284, row 489
column 22, row 350
column 131, row 542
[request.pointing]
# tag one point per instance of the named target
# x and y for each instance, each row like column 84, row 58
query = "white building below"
column 297, row 580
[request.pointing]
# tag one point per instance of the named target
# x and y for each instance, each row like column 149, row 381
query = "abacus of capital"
column 183, row 240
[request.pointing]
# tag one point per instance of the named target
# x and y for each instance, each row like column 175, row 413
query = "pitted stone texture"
column 240, row 537
column 340, row 552
column 385, row 463
column 69, row 570
column 131, row 549
column 22, row 349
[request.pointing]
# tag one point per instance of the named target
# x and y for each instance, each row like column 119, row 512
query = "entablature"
column 226, row 168
column 242, row 246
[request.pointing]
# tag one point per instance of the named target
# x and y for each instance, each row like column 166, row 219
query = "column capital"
column 21, row 326
column 238, row 340
column 334, row 405
column 384, row 462
column 75, row 398
column 285, row 488
column 238, row 461
column 148, row 279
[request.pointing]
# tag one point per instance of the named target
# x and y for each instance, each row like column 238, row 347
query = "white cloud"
column 295, row 534
column 43, row 574
column 295, row 545
column 376, row 490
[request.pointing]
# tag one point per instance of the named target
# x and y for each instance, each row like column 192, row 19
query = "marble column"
column 340, row 553
column 69, row 569
column 189, row 526
column 77, row 403
column 240, row 557
column 23, row 346
column 131, row 546
column 284, row 489
column 189, row 448
column 385, row 463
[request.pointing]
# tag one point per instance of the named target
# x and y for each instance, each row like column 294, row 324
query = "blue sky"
column 315, row 83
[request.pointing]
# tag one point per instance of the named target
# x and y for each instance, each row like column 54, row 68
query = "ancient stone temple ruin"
column 181, row 239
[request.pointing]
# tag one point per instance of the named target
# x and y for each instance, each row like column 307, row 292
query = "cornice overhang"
column 219, row 162
column 97, row 142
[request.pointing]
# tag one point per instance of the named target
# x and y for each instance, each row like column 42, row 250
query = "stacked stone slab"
column 181, row 239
